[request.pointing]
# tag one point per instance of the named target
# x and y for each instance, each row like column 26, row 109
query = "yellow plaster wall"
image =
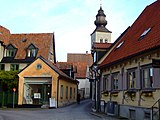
column 64, row 101
column 140, row 99
column 31, row 71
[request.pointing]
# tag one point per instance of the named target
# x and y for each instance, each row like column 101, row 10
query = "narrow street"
column 72, row 112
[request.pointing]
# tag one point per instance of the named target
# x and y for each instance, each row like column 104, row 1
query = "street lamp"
column 95, row 78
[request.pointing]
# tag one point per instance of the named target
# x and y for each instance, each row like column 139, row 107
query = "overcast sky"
column 72, row 21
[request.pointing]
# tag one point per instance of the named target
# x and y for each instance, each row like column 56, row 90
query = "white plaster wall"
column 84, row 83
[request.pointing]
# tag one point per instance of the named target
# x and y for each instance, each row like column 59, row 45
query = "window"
column 120, row 44
column 66, row 92
column 147, row 77
column 70, row 92
column 115, row 81
column 31, row 51
column 74, row 92
column 10, row 51
column 14, row 67
column 145, row 32
column 105, row 82
column 132, row 79
column 101, row 40
column 106, row 40
column 61, row 92
column 2, row 67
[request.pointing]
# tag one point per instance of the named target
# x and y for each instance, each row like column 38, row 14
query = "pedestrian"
column 78, row 98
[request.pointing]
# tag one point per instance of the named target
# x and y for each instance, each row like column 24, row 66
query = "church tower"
column 101, row 37
column 101, row 34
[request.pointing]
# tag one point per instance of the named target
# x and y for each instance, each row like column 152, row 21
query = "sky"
column 71, row 21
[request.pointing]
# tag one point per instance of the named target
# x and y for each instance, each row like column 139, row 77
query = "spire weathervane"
column 100, row 3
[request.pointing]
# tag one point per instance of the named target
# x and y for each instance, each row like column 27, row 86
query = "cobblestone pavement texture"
column 80, row 111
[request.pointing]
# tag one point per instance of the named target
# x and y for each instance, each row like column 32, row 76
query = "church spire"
column 100, row 18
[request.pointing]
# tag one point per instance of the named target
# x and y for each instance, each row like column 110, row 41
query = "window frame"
column 2, row 66
column 11, row 51
column 131, row 81
column 148, row 78
column 32, row 51
column 71, row 92
column 14, row 67
column 66, row 92
column 115, row 84
column 61, row 92
column 105, row 82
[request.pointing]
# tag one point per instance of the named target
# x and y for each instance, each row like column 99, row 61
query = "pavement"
column 107, row 117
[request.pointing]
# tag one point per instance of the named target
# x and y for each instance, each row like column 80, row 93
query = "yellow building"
column 130, row 70
column 42, row 83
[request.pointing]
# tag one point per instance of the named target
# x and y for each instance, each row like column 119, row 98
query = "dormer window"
column 10, row 51
column 32, row 51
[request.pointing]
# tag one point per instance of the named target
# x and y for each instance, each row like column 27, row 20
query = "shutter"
column 125, row 81
column 120, row 81
column 156, row 77
column 109, row 82
column 138, row 78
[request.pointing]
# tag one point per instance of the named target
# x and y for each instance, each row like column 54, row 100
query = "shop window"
column 132, row 79
column 115, row 81
column 61, row 91
column 14, row 67
column 147, row 77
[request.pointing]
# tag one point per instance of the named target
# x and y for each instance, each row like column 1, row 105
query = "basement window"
column 145, row 33
column 120, row 44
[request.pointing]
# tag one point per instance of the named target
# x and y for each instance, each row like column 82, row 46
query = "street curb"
column 98, row 115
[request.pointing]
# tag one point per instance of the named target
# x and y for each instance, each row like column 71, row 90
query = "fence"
column 6, row 99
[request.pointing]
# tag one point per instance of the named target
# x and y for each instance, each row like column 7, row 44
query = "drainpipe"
column 57, row 90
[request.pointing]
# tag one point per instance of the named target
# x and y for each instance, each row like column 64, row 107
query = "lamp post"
column 95, row 78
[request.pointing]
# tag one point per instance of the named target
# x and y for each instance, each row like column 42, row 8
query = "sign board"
column 52, row 102
column 37, row 95
column 14, row 89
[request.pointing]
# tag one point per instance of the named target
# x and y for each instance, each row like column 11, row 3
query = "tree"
column 9, row 80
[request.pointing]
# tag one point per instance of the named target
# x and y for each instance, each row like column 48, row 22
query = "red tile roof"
column 80, row 57
column 22, row 41
column 80, row 68
column 101, row 45
column 66, row 66
column 132, row 43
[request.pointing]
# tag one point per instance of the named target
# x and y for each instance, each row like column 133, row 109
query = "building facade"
column 130, row 71
column 42, row 83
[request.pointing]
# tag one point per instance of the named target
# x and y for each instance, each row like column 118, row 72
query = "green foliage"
column 9, row 79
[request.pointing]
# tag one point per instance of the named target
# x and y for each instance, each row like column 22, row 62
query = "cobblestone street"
column 73, row 112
